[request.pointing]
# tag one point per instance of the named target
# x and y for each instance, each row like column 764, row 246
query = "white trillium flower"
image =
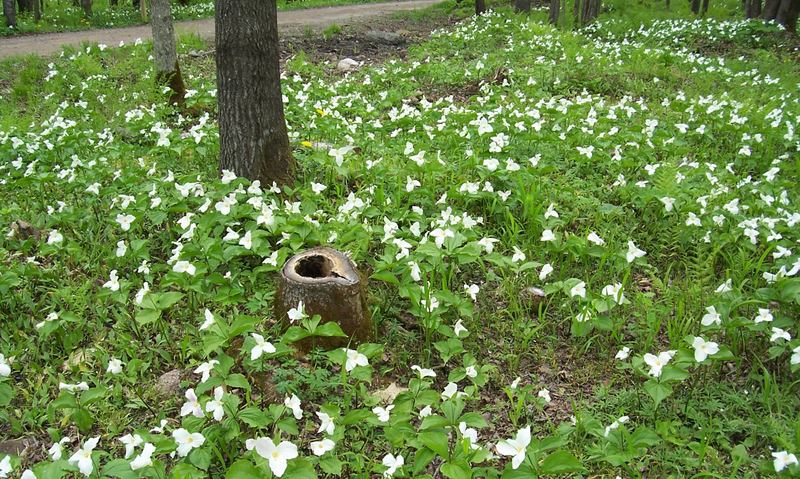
column 423, row 373
column 633, row 252
column 262, row 347
column 215, row 406
column 623, row 353
column 782, row 460
column 131, row 442
column 319, row 448
column 298, row 313
column 83, row 456
column 383, row 413
column 209, row 320
column 187, row 441
column 278, row 456
column 326, row 423
column 711, row 317
column 204, row 369
column 192, row 405
column 353, row 359
column 293, row 402
column 657, row 363
column 703, row 349
column 578, row 290
column 184, row 267
column 545, row 271
column 393, row 463
column 544, row 394
column 763, row 316
column 516, row 447
column 145, row 458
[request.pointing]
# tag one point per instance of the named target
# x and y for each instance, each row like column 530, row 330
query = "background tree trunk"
column 696, row 7
column 254, row 142
column 522, row 6
column 576, row 10
column 480, row 7
column 168, row 72
column 37, row 11
column 87, row 8
column 770, row 10
column 704, row 9
column 10, row 13
column 555, row 11
column 787, row 14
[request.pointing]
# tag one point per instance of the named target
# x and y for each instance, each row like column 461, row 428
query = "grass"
column 632, row 130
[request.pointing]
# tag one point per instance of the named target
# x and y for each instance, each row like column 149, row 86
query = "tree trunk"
column 480, row 7
column 143, row 9
column 522, row 6
column 695, row 6
column 10, row 12
column 555, row 11
column 87, row 8
column 168, row 72
column 254, row 142
column 787, row 14
column 770, row 10
column 37, row 11
column 23, row 6
column 576, row 10
column 704, row 10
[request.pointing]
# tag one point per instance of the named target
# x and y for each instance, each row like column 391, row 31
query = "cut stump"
column 329, row 285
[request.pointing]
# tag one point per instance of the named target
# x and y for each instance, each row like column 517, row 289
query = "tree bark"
column 254, row 142
column 576, row 10
column 10, row 13
column 37, row 11
column 522, row 6
column 770, row 10
column 787, row 14
column 328, row 284
column 87, row 8
column 704, row 9
column 168, row 72
column 480, row 7
column 555, row 11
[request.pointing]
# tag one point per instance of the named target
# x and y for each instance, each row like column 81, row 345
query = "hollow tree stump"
column 328, row 284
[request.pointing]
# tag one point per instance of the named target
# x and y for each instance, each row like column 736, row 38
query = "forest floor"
column 51, row 43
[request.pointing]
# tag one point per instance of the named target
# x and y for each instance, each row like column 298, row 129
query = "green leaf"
column 187, row 471
column 254, row 417
column 456, row 471
column 386, row 277
column 300, row 469
column 237, row 381
column 166, row 300
column 331, row 465
column 436, row 442
column 560, row 462
column 201, row 458
column 657, row 391
column 119, row 468
column 329, row 329
column 6, row 394
column 243, row 469
column 147, row 316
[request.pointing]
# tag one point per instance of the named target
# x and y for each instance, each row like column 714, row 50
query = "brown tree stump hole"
column 329, row 285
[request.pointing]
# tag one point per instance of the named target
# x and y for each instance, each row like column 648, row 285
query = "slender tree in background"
column 752, row 8
column 555, row 11
column 168, row 72
column 87, row 8
column 704, row 8
column 254, row 142
column 695, row 4
column 10, row 13
column 583, row 12
column 522, row 6
column 480, row 7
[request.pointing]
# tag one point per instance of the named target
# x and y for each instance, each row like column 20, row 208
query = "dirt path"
column 51, row 43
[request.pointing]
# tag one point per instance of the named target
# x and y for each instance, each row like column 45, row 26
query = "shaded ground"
column 51, row 43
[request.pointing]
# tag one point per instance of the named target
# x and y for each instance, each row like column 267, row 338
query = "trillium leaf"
column 456, row 471
column 436, row 442
column 119, row 468
column 560, row 462
column 658, row 391
column 243, row 469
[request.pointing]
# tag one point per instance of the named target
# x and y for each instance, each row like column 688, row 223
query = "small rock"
column 390, row 38
column 169, row 384
column 389, row 394
column 18, row 447
column 24, row 230
column 347, row 65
